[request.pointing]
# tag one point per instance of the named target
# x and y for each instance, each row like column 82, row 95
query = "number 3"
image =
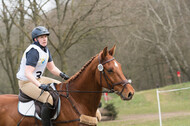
column 38, row 74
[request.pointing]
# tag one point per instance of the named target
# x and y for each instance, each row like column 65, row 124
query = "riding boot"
column 46, row 114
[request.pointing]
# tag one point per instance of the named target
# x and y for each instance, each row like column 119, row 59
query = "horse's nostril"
column 130, row 95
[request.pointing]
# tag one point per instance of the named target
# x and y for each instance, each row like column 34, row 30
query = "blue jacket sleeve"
column 32, row 57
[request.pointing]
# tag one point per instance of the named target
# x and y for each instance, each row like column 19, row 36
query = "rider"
column 34, row 61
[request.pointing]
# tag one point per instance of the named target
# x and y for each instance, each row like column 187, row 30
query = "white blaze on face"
column 116, row 65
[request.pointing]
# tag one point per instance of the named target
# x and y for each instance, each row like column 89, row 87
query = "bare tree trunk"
column 7, row 60
column 182, row 19
column 168, row 63
column 20, row 47
column 160, row 83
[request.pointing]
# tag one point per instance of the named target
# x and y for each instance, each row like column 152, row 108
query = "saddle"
column 31, row 107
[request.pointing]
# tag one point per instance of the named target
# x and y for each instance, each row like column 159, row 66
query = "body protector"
column 40, row 67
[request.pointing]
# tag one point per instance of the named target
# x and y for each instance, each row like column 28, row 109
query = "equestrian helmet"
column 40, row 30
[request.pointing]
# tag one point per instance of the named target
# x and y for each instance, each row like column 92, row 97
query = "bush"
column 111, row 111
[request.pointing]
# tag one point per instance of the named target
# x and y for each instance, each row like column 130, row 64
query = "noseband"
column 110, row 85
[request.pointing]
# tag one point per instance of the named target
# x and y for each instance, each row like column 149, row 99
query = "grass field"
column 142, row 110
column 177, row 121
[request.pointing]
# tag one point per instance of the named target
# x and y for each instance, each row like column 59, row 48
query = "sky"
column 47, row 7
column 50, row 4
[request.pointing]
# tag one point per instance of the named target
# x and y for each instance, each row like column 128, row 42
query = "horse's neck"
column 88, row 102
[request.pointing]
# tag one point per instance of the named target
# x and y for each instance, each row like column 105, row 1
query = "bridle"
column 110, row 85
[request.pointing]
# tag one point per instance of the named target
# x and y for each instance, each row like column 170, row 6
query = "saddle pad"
column 29, row 109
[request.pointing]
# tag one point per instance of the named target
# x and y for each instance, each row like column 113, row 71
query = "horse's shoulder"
column 8, row 99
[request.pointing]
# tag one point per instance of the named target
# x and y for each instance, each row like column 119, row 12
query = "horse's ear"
column 112, row 50
column 104, row 53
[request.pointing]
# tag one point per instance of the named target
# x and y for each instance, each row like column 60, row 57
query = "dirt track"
column 147, row 117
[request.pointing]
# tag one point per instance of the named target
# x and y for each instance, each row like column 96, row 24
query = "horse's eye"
column 110, row 70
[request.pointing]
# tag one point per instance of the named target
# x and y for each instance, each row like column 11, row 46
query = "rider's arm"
column 28, row 73
column 31, row 62
column 53, row 69
column 51, row 66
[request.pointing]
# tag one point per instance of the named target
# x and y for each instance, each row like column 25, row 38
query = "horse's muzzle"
column 127, row 97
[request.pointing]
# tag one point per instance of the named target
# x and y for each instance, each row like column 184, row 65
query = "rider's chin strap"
column 42, row 47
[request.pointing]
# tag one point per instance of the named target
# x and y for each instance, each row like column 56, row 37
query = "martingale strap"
column 68, row 121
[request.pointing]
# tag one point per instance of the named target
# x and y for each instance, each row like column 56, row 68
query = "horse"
column 80, row 95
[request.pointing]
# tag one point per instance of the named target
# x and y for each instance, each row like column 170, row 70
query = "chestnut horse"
column 80, row 95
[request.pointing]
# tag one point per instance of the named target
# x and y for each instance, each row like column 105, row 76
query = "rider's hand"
column 64, row 76
column 44, row 87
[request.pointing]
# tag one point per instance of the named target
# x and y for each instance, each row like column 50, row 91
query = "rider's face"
column 43, row 39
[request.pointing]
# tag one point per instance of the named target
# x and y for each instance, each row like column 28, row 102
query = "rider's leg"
column 47, row 80
column 47, row 108
column 34, row 92
column 46, row 114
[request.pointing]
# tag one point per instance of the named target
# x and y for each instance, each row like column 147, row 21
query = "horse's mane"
column 74, row 77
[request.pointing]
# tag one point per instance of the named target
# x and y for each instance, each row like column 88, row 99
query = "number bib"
column 40, row 67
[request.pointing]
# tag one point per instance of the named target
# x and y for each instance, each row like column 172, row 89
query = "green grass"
column 178, row 121
column 145, row 102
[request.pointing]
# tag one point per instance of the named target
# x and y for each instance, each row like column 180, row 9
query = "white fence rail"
column 158, row 99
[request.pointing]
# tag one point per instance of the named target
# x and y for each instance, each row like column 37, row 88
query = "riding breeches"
column 34, row 92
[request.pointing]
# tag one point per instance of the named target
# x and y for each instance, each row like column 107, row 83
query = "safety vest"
column 40, row 67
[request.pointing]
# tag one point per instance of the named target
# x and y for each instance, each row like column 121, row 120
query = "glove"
column 44, row 87
column 64, row 76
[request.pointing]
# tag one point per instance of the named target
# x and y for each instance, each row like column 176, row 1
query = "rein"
column 72, row 91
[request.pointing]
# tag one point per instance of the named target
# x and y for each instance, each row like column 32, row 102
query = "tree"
column 68, row 27
column 7, row 53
